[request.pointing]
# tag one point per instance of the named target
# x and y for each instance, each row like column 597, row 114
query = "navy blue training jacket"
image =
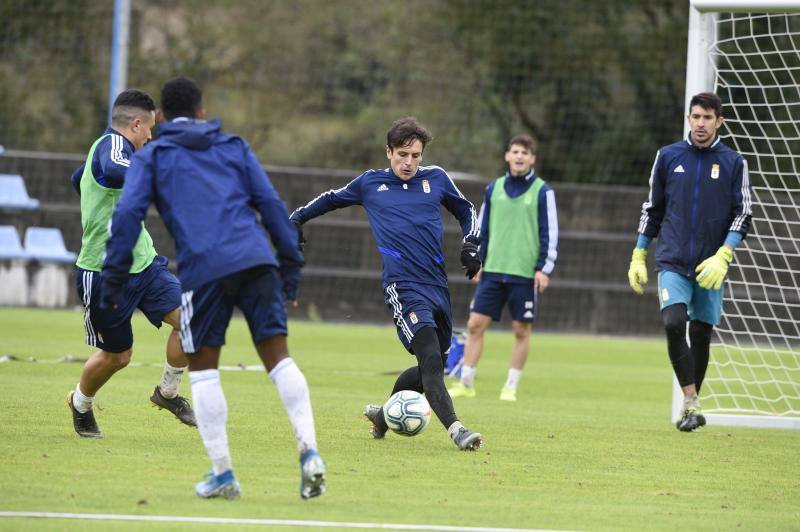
column 696, row 197
column 208, row 187
column 405, row 217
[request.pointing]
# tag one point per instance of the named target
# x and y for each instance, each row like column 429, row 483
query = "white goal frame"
column 700, row 77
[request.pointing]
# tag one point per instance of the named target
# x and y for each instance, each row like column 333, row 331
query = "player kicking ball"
column 403, row 204
column 210, row 191
column 149, row 287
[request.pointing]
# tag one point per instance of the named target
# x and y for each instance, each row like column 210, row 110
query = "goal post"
column 748, row 52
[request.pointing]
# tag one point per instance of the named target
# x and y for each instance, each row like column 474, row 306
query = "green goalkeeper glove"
column 637, row 271
column 711, row 272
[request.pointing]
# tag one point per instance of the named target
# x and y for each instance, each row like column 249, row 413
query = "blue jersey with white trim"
column 548, row 224
column 111, row 160
column 697, row 195
column 405, row 217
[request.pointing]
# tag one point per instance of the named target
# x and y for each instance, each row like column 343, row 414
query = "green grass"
column 589, row 444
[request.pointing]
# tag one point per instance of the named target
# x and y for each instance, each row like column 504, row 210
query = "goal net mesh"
column 755, row 361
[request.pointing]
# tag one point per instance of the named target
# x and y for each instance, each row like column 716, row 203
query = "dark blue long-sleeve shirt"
column 697, row 196
column 405, row 217
column 110, row 161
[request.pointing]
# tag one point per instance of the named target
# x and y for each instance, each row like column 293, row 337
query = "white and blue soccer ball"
column 407, row 413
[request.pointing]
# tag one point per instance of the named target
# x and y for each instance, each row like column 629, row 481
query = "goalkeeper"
column 700, row 207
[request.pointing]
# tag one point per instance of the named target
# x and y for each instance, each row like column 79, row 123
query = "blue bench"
column 10, row 247
column 14, row 195
column 46, row 244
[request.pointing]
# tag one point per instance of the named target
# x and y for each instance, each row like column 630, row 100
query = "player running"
column 149, row 287
column 403, row 204
column 210, row 189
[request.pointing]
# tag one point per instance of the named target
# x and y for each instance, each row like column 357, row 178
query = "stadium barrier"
column 589, row 292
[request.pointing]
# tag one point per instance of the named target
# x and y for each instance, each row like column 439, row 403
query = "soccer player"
column 150, row 287
column 210, row 189
column 403, row 204
column 699, row 207
column 519, row 246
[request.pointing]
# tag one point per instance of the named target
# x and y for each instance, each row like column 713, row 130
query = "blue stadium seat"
column 10, row 248
column 47, row 244
column 14, row 195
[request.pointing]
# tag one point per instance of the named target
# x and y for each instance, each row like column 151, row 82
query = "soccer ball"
column 407, row 413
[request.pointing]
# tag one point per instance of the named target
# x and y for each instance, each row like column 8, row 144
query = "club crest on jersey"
column 413, row 317
column 426, row 186
column 715, row 171
column 383, row 188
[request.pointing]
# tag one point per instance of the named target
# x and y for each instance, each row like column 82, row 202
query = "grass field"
column 589, row 444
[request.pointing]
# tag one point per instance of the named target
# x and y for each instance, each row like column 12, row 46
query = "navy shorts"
column 492, row 295
column 414, row 306
column 206, row 311
column 154, row 291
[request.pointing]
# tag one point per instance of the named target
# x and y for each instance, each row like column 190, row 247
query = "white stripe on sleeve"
column 647, row 204
column 117, row 155
column 747, row 200
column 552, row 233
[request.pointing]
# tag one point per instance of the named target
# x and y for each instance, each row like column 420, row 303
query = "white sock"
column 691, row 402
column 170, row 380
column 293, row 389
column 452, row 430
column 211, row 412
column 81, row 402
column 468, row 376
column 513, row 378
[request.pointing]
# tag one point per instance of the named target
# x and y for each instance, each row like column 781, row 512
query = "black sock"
column 431, row 365
column 700, row 337
column 675, row 319
column 410, row 379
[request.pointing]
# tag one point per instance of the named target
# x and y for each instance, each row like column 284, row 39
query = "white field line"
column 265, row 522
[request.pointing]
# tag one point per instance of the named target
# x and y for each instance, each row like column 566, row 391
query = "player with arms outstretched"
column 699, row 207
column 403, row 204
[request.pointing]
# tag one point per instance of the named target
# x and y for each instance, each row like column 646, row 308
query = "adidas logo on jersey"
column 679, row 170
column 383, row 188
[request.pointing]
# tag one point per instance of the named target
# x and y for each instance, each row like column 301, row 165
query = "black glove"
column 290, row 280
column 470, row 261
column 301, row 240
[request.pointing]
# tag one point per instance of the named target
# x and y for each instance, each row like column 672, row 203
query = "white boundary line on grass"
column 271, row 522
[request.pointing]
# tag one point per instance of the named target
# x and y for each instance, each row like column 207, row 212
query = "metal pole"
column 119, row 52
column 699, row 65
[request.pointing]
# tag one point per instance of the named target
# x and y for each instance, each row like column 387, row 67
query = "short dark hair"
column 181, row 96
column 707, row 100
column 129, row 104
column 525, row 141
column 405, row 131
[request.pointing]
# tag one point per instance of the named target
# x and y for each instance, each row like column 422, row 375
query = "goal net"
column 753, row 376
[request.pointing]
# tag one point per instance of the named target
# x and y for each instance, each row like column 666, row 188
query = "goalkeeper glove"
column 637, row 271
column 711, row 272
column 470, row 261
